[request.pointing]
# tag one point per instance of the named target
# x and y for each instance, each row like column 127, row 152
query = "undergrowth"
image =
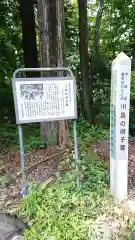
column 31, row 137
column 88, row 133
column 9, row 136
column 60, row 210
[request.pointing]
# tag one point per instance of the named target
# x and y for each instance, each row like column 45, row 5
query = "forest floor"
column 40, row 165
column 101, row 149
column 44, row 164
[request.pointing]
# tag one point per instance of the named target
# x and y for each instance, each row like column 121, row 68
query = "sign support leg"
column 76, row 154
column 21, row 156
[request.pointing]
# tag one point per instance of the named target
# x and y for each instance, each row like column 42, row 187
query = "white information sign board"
column 44, row 99
column 119, row 125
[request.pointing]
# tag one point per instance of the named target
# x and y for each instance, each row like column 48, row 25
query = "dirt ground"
column 40, row 165
column 43, row 164
column 101, row 149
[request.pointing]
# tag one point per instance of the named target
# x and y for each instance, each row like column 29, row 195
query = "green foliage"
column 88, row 132
column 133, row 85
column 6, row 103
column 132, row 101
column 8, row 132
column 10, row 47
column 72, row 32
column 9, row 135
column 131, row 225
column 96, row 132
column 10, row 53
column 35, row 143
column 116, row 34
column 60, row 210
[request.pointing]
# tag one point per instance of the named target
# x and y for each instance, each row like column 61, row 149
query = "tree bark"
column 52, row 23
column 95, row 55
column 84, row 58
column 29, row 35
column 50, row 15
column 47, row 57
column 63, row 126
column 43, row 9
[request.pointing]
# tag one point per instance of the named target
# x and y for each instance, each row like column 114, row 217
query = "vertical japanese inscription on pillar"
column 119, row 110
column 123, row 112
column 113, row 115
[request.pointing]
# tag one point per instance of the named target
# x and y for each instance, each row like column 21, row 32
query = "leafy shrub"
column 60, row 210
column 85, row 129
column 87, row 132
column 34, row 143
column 132, row 101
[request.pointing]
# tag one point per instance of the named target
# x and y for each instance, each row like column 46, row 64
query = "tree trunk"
column 95, row 56
column 97, row 27
column 52, row 23
column 84, row 58
column 47, row 47
column 63, row 126
column 43, row 9
column 50, row 15
column 29, row 35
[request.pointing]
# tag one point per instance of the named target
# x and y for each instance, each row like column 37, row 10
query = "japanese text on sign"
column 45, row 100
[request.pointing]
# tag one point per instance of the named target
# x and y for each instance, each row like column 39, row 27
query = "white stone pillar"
column 119, row 125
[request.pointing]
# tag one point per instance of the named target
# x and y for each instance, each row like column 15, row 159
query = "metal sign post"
column 44, row 99
column 76, row 154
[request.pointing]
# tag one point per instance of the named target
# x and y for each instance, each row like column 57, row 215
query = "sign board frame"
column 71, row 77
column 45, row 79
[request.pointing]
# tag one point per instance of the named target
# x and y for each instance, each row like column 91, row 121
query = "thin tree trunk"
column 84, row 58
column 29, row 35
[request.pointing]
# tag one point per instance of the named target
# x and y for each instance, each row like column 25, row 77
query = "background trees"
column 33, row 31
column 86, row 37
column 29, row 44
